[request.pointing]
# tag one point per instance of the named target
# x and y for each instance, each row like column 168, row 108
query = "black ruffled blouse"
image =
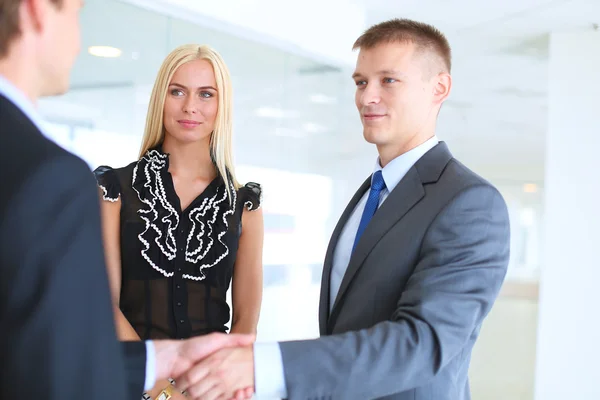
column 176, row 264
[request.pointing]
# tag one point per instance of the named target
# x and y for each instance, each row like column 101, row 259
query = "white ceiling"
column 495, row 120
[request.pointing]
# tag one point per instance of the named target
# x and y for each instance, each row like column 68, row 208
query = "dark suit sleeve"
column 464, row 259
column 135, row 365
column 56, row 323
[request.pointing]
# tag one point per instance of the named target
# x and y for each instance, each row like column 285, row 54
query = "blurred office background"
column 298, row 134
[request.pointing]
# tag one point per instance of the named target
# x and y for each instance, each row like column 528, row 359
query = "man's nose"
column 370, row 95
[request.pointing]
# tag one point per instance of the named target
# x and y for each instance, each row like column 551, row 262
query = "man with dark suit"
column 417, row 259
column 58, row 339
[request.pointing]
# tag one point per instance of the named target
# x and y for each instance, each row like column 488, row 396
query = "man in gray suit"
column 415, row 262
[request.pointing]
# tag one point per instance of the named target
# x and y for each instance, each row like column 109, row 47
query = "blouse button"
column 178, row 286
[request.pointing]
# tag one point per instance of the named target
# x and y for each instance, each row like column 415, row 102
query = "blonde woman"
column 178, row 228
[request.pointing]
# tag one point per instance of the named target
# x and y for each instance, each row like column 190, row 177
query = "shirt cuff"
column 150, row 366
column 269, row 377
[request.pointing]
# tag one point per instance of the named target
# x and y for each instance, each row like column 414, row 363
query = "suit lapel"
column 404, row 196
column 328, row 265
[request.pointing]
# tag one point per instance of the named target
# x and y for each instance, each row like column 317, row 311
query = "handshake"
column 215, row 366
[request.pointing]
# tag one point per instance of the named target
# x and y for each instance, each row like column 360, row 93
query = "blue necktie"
column 377, row 185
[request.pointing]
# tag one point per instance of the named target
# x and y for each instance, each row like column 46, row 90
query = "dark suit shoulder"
column 27, row 153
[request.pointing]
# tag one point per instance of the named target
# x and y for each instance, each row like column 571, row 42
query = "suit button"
column 182, row 321
column 178, row 287
column 178, row 304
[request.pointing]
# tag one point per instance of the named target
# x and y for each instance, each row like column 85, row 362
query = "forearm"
column 247, row 283
column 125, row 331
column 388, row 358
column 244, row 325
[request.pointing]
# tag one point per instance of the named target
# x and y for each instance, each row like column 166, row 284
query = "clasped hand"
column 211, row 367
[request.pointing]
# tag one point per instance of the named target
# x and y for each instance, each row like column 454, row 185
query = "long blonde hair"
column 221, row 146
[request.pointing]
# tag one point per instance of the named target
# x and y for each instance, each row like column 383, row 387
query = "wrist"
column 166, row 352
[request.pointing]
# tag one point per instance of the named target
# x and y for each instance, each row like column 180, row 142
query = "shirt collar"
column 19, row 99
column 395, row 170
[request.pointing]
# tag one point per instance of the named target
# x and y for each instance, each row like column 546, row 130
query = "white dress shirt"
column 19, row 99
column 268, row 365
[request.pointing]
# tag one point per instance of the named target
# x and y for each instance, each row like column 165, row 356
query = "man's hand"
column 175, row 357
column 228, row 373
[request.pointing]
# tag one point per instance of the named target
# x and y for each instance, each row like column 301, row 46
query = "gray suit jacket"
column 423, row 277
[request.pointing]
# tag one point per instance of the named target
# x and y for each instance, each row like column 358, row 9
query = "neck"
column 390, row 151
column 189, row 160
column 21, row 72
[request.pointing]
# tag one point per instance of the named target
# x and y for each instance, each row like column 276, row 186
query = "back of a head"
column 39, row 41
column 425, row 37
column 9, row 23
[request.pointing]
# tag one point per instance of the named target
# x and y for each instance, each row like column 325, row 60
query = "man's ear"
column 34, row 14
column 442, row 86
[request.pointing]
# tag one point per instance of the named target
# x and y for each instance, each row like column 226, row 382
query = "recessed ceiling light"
column 104, row 51
column 530, row 188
